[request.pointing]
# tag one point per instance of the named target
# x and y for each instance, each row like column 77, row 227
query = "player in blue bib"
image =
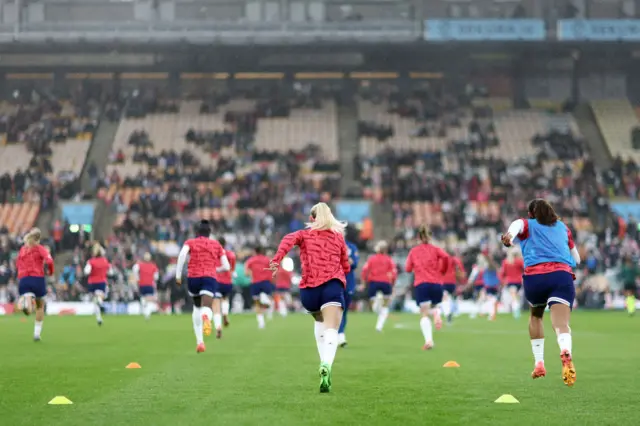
column 351, row 283
column 549, row 255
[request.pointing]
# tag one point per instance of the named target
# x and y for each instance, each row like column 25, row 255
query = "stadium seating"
column 19, row 217
column 616, row 119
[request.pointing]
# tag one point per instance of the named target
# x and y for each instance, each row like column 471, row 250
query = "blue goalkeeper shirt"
column 353, row 258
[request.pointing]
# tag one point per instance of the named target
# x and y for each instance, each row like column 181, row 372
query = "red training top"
column 428, row 263
column 283, row 279
column 323, row 255
column 380, row 268
column 454, row 265
column 204, row 257
column 511, row 272
column 546, row 267
column 99, row 269
column 226, row 277
column 31, row 261
column 258, row 266
column 146, row 274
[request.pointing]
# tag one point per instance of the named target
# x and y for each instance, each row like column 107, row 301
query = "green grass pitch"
column 269, row 377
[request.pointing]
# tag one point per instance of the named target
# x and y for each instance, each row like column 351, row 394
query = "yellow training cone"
column 507, row 399
column 60, row 400
column 133, row 365
column 450, row 364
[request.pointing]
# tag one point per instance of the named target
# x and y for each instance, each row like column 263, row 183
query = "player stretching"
column 511, row 274
column 454, row 273
column 205, row 254
column 428, row 263
column 32, row 286
column 257, row 267
column 380, row 273
column 324, row 258
column 146, row 273
column 225, row 283
column 283, row 290
column 549, row 255
column 97, row 269
column 354, row 258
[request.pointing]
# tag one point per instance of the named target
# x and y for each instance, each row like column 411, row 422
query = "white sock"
column 260, row 318
column 98, row 312
column 446, row 306
column 207, row 312
column 342, row 338
column 330, row 345
column 565, row 341
column 37, row 329
column 196, row 316
column 537, row 347
column 217, row 321
column 225, row 307
column 318, row 331
column 270, row 311
column 382, row 317
column 427, row 332
column 143, row 307
column 282, row 307
column 493, row 307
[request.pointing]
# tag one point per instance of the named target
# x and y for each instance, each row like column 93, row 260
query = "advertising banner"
column 484, row 30
column 599, row 29
column 353, row 211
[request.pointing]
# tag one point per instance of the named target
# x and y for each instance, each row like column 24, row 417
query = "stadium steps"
column 594, row 138
column 45, row 222
column 616, row 118
column 382, row 217
column 104, row 220
column 348, row 144
column 98, row 153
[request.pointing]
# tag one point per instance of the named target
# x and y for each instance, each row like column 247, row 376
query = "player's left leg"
column 216, row 307
column 196, row 317
column 37, row 330
column 426, row 325
column 331, row 318
column 225, row 305
column 98, row 301
column 536, row 334
column 560, row 314
column 383, row 313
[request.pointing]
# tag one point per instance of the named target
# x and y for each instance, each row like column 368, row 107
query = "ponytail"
column 323, row 220
column 424, row 233
column 32, row 237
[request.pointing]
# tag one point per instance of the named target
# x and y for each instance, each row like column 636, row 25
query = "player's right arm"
column 518, row 228
column 287, row 243
column 182, row 258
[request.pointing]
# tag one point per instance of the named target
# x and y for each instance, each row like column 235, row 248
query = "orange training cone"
column 451, row 364
column 133, row 365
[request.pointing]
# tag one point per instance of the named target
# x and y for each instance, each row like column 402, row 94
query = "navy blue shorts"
column 224, row 290
column 202, row 286
column 492, row 291
column 517, row 286
column 375, row 287
column 449, row 288
column 330, row 293
column 265, row 287
column 429, row 293
column 147, row 290
column 94, row 288
column 35, row 285
column 549, row 289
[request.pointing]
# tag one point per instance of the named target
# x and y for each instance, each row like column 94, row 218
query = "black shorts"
column 630, row 287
